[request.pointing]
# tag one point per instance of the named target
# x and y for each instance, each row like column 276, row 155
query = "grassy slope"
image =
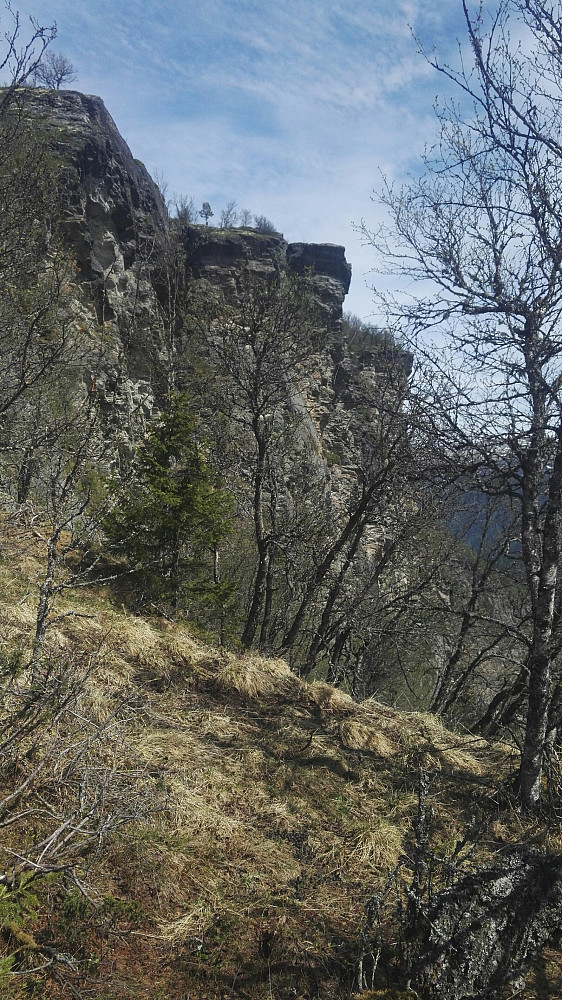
column 276, row 810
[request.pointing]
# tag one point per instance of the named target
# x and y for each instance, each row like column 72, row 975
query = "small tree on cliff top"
column 54, row 71
column 206, row 212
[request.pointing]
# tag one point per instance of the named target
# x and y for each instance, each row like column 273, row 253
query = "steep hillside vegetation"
column 188, row 820
column 222, row 549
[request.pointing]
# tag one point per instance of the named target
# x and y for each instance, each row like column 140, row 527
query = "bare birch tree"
column 260, row 351
column 484, row 227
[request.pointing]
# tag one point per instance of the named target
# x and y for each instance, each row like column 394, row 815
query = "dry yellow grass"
column 379, row 845
column 327, row 697
column 255, row 677
column 358, row 735
column 281, row 806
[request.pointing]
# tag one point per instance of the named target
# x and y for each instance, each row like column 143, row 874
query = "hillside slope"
column 179, row 820
column 247, row 819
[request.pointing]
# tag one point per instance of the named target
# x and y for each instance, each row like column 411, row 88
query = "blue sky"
column 290, row 107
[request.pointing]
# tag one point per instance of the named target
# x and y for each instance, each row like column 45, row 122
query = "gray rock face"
column 112, row 199
column 219, row 255
column 222, row 253
column 114, row 210
column 114, row 205
column 324, row 259
column 114, row 216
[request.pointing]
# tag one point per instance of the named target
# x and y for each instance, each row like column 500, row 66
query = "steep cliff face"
column 114, row 210
column 115, row 217
column 112, row 200
column 115, row 214
column 220, row 255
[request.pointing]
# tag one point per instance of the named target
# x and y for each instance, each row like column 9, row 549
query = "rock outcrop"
column 481, row 935
column 114, row 207
column 326, row 264
column 112, row 200
column 220, row 255
column 114, row 218
column 115, row 213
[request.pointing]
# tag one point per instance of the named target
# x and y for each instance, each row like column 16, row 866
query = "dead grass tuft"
column 379, row 845
column 255, row 678
column 358, row 735
column 429, row 735
column 168, row 747
column 330, row 698
column 190, row 927
column 180, row 646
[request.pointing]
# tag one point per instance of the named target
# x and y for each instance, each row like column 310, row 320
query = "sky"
column 292, row 108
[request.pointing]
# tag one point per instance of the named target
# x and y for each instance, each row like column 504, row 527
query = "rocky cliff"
column 220, row 255
column 114, row 209
column 115, row 216
column 112, row 201
column 115, row 223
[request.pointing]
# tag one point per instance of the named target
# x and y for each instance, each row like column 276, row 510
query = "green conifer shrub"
column 170, row 521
